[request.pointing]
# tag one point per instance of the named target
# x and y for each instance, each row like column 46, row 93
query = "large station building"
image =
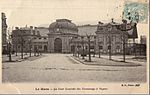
column 63, row 36
column 60, row 34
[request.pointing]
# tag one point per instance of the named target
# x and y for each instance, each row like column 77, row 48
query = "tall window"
column 100, row 47
column 118, row 49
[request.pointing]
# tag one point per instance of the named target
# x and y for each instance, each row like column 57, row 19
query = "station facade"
column 63, row 36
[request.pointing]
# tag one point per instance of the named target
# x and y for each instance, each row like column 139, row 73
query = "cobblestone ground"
column 64, row 68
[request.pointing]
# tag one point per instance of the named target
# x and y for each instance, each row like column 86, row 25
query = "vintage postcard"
column 74, row 47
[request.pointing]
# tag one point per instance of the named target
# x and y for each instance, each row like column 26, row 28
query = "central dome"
column 63, row 23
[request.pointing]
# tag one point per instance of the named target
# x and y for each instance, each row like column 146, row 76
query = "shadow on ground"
column 107, row 62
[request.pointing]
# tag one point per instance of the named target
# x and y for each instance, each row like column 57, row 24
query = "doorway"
column 58, row 45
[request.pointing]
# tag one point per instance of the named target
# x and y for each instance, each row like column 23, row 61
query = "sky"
column 41, row 12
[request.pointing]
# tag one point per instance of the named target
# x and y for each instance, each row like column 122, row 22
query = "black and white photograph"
column 75, row 41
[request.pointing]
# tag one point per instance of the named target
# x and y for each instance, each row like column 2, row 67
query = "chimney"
column 38, row 33
column 112, row 20
column 16, row 28
column 31, row 27
column 35, row 27
column 100, row 22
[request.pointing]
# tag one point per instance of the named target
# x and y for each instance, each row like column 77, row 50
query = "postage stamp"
column 136, row 12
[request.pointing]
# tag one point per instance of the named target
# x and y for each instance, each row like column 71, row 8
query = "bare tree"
column 9, row 41
column 109, row 47
column 82, row 37
column 89, row 45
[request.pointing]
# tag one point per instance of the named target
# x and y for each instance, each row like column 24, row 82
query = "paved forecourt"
column 64, row 68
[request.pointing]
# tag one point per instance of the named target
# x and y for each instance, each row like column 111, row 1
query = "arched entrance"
column 45, row 48
column 72, row 48
column 58, row 45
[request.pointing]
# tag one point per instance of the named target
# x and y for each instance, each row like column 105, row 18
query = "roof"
column 91, row 29
column 133, row 32
column 43, row 31
column 40, row 39
column 63, row 23
column 106, row 24
column 87, row 29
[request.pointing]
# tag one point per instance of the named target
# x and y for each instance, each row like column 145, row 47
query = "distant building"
column 110, row 36
column 60, row 34
column 138, row 48
column 4, row 33
column 143, row 39
column 22, row 38
column 105, row 36
column 87, row 29
column 41, row 41
column 63, row 36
